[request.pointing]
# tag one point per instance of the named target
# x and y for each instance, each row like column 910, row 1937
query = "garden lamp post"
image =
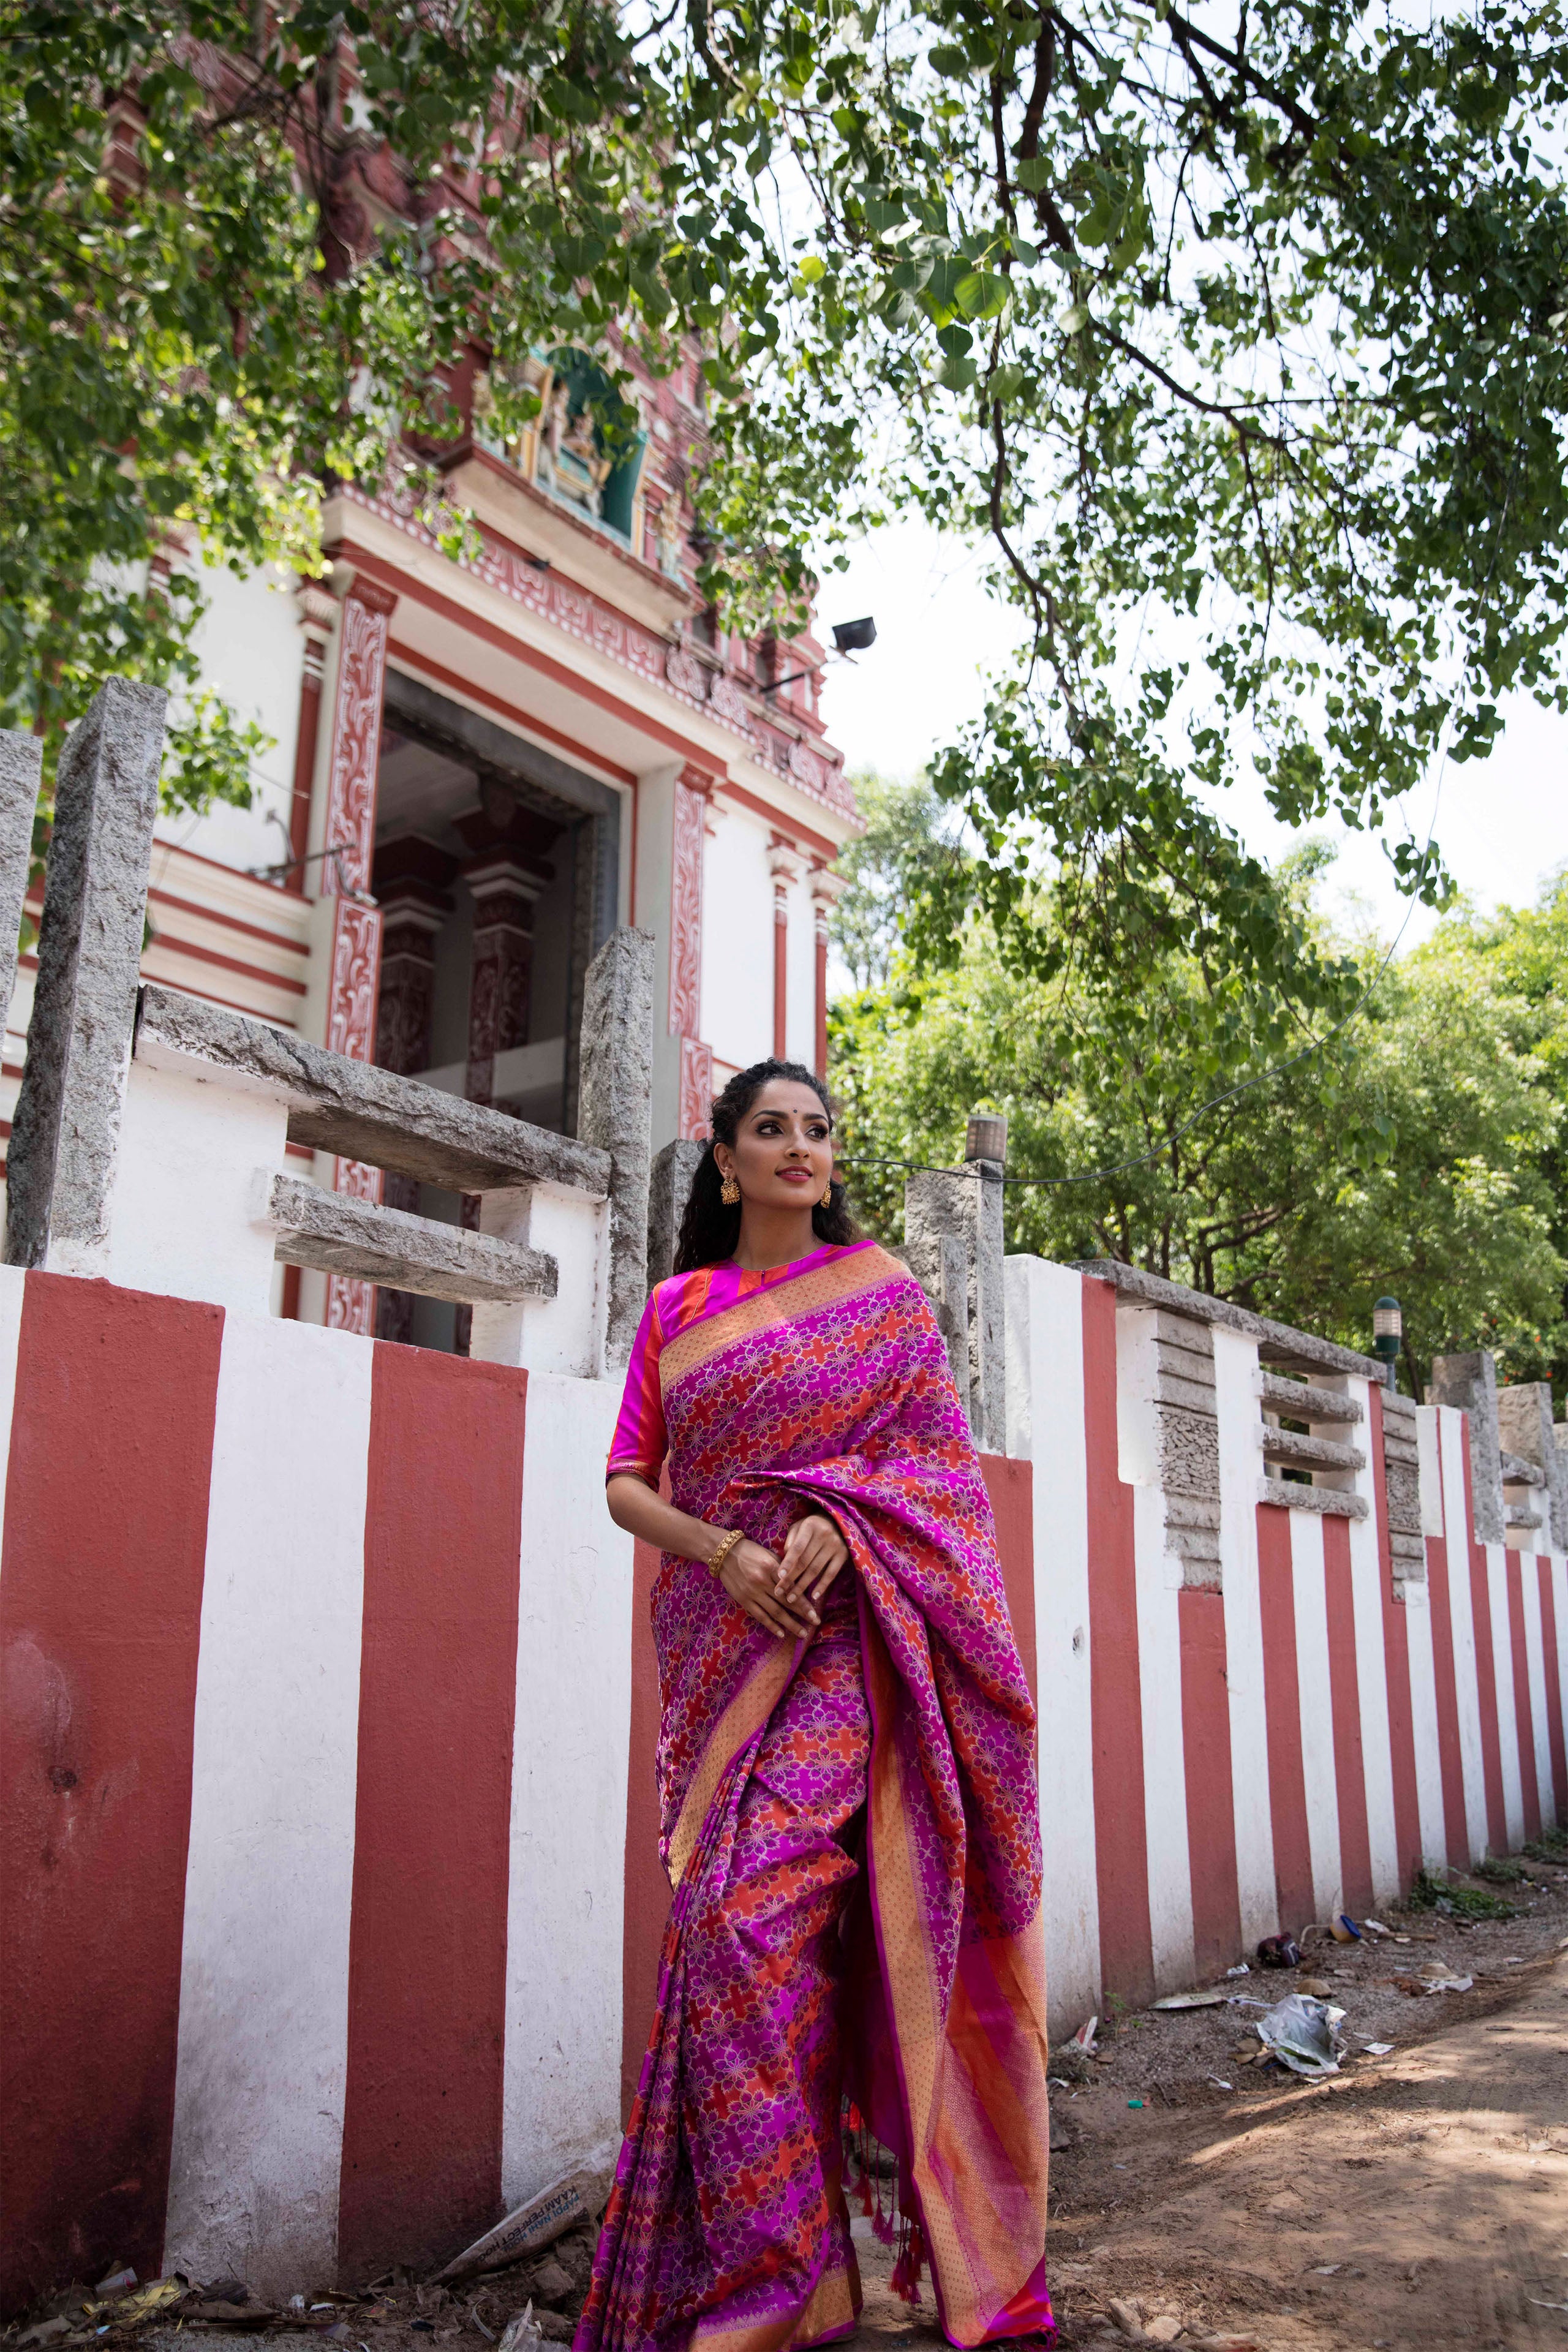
column 1387, row 1332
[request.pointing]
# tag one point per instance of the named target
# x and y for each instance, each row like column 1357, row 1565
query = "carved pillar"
column 413, row 907
column 317, row 610
column 504, row 888
column 349, row 843
column 685, row 952
column 785, row 870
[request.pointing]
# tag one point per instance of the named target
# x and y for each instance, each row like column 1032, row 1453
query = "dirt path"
column 1418, row 2199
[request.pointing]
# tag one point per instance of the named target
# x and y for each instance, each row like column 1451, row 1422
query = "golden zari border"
column 834, row 2303
column 742, row 1720
column 781, row 1302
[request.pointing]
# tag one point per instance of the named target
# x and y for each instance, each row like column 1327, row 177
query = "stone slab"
column 1328, row 1502
column 338, row 1235
column 1305, row 1453
column 1276, row 1343
column 65, row 1138
column 1469, row 1380
column 1301, row 1401
column 669, row 1189
column 361, row 1112
column 614, row 1112
column 21, row 772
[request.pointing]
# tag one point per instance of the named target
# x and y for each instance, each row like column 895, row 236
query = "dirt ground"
column 1416, row 2200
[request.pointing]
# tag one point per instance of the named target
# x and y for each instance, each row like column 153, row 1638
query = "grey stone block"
column 364, row 1113
column 1402, row 1484
column 21, row 769
column 1469, row 1382
column 1407, row 1555
column 1187, row 1451
column 952, row 1235
column 669, row 1189
column 1191, row 1533
column 1527, row 1429
column 614, row 1112
column 338, row 1235
column 1304, row 1453
column 1276, row 1343
column 1328, row 1502
column 65, row 1138
column 1300, row 1400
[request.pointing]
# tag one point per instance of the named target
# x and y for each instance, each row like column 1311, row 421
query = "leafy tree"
column 1406, row 1156
column 881, row 868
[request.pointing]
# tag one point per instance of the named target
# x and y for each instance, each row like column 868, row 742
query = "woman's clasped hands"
column 783, row 1595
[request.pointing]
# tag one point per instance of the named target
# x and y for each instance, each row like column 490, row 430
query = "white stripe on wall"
column 1241, row 1463
column 1507, row 1712
column 1317, row 1709
column 1159, row 1583
column 1428, row 1469
column 1559, row 1611
column 259, row 2099
column 1423, row 1721
column 1371, row 1666
column 1045, row 1425
column 1461, row 1615
column 566, row 1893
column 13, row 1284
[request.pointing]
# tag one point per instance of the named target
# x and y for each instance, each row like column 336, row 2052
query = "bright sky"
column 1503, row 824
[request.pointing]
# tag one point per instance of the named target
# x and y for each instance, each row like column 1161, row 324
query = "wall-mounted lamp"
column 1388, row 1332
column 849, row 638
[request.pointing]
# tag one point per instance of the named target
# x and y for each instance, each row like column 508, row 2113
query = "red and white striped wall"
column 330, row 1900
column 1219, row 1763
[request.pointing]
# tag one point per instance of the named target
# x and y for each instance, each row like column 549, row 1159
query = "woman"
column 846, row 1783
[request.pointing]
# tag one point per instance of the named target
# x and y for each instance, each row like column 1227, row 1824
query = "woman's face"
column 782, row 1154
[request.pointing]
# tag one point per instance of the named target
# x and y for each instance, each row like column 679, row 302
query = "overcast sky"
column 1503, row 824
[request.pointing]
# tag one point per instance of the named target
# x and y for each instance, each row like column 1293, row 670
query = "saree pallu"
column 851, row 1828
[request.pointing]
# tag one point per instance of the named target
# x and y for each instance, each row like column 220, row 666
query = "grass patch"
column 1551, row 1845
column 1430, row 1893
column 1500, row 1870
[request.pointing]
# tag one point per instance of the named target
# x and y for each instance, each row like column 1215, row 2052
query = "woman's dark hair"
column 708, row 1230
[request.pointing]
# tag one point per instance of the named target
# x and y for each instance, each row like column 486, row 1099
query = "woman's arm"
column 749, row 1573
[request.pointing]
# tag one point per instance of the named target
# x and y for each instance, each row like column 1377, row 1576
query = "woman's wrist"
column 728, row 1539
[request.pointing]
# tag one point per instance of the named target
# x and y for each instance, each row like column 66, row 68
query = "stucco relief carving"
column 726, row 699
column 696, row 1086
column 685, row 915
column 686, row 674
column 807, row 768
column 357, row 737
column 356, row 980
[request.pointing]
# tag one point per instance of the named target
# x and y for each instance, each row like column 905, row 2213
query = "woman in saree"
column 846, row 1778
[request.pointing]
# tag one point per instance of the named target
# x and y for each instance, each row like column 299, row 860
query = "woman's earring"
column 728, row 1191
column 827, row 1200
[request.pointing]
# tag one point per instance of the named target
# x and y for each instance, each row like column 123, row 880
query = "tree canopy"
column 1242, row 339
column 1416, row 1154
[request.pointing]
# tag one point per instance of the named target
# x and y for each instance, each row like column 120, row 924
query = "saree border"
column 864, row 1265
column 744, row 1717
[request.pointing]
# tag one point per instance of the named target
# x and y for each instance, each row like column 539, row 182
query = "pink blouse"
column 641, row 1441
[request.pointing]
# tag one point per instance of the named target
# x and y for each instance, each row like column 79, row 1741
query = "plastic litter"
column 1303, row 2034
column 1343, row 1929
column 1191, row 2001
column 1240, row 1970
column 1278, row 1952
column 1376, row 1928
column 117, row 2282
column 523, row 2333
column 1134, row 2103
column 1377, row 2049
column 1084, row 2037
column 1219, row 2085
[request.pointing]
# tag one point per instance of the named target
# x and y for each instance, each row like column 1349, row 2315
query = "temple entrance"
column 497, row 872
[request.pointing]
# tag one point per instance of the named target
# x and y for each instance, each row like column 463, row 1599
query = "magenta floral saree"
column 851, row 1827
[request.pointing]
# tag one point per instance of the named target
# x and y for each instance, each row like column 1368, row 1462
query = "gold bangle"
column 726, row 1547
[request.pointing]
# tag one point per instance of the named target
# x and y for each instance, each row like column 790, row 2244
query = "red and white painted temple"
column 479, row 769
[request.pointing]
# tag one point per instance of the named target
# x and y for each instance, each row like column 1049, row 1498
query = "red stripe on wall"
column 1396, row 1671
column 1445, row 1678
column 1121, row 1837
column 1282, row 1720
column 422, row 2119
column 1344, row 1701
column 648, row 1888
column 1524, row 1712
column 1554, row 1689
column 1011, row 1486
column 1210, row 1796
column 100, row 1596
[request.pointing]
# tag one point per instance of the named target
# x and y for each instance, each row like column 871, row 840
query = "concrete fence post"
column 669, row 1189
column 21, row 770
column 65, row 1138
column 1525, row 1427
column 952, row 1235
column 614, row 1111
column 1470, row 1382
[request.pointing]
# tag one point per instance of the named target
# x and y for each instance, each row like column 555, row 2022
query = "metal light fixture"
column 1388, row 1332
column 849, row 638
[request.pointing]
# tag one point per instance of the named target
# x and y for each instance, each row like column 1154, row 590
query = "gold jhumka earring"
column 729, row 1191
column 827, row 1200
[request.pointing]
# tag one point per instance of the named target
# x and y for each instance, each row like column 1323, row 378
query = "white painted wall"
column 263, row 2049
column 800, row 973
column 1317, row 1709
column 738, row 938
column 1457, row 1518
column 1237, row 1409
column 184, row 1213
column 1046, row 1426
column 564, row 1334
column 252, row 652
column 566, row 1898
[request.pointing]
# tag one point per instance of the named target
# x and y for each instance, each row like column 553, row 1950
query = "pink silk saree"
column 851, row 1828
